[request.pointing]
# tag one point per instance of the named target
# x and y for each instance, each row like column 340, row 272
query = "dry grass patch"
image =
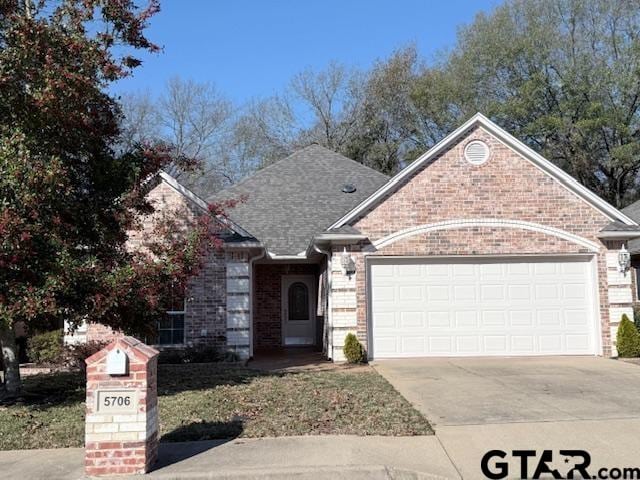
column 207, row 401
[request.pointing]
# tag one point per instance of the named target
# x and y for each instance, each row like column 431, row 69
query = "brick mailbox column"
column 121, row 435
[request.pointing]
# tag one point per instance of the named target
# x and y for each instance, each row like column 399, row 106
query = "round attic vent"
column 348, row 188
column 476, row 152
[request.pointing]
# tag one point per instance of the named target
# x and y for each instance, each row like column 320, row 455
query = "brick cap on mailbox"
column 141, row 351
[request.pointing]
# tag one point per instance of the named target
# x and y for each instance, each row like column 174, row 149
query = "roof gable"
column 201, row 204
column 566, row 180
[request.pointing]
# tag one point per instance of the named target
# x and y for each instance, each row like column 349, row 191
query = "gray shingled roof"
column 633, row 211
column 617, row 226
column 291, row 201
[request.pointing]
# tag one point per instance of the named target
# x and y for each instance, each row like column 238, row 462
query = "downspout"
column 251, row 260
column 329, row 320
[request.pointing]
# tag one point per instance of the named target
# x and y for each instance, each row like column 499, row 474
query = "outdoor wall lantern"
column 624, row 260
column 348, row 263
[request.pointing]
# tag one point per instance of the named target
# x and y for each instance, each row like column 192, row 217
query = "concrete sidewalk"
column 312, row 457
column 536, row 403
column 610, row 443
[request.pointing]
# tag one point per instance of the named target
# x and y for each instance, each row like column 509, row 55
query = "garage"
column 482, row 306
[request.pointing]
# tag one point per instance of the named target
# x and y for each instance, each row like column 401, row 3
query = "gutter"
column 275, row 256
column 618, row 235
column 340, row 236
column 334, row 237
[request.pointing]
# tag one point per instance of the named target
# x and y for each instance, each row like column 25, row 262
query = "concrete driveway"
column 478, row 404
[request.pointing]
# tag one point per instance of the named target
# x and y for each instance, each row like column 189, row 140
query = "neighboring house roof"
column 289, row 202
column 480, row 120
column 633, row 211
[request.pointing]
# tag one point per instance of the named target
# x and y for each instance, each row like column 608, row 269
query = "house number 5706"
column 117, row 401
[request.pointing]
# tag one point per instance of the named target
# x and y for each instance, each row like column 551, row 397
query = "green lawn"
column 207, row 401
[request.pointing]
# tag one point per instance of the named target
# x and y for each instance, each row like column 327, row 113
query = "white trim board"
column 486, row 222
column 184, row 191
column 507, row 139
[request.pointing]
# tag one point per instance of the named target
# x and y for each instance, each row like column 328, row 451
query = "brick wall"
column 205, row 310
column 101, row 333
column 267, row 303
column 507, row 186
column 122, row 440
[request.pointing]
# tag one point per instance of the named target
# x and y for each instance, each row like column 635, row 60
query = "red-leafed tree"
column 69, row 193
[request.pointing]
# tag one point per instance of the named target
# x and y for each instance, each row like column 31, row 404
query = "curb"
column 347, row 472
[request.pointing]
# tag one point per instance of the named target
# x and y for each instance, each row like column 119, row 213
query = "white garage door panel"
column 482, row 307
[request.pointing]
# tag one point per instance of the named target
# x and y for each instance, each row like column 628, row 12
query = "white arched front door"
column 298, row 310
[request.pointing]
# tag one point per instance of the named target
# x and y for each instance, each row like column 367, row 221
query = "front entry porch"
column 292, row 359
column 287, row 310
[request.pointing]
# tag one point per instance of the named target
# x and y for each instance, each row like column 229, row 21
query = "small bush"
column 231, row 357
column 171, row 357
column 628, row 339
column 353, row 349
column 75, row 354
column 202, row 354
column 196, row 354
column 46, row 348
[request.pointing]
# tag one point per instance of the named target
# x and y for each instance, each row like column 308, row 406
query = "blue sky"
column 251, row 48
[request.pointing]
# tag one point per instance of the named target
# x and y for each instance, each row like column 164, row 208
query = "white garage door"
column 541, row 306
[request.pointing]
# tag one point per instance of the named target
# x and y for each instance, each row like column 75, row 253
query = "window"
column 171, row 327
column 637, row 270
column 298, row 301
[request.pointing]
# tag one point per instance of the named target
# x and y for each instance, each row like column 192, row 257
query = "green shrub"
column 628, row 339
column 231, row 357
column 202, row 354
column 195, row 354
column 353, row 349
column 46, row 348
column 171, row 356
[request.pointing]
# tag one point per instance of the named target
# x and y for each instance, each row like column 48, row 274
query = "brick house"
column 479, row 247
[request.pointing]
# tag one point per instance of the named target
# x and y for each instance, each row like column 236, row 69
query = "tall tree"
column 331, row 100
column 563, row 75
column 389, row 128
column 140, row 121
column 196, row 120
column 69, row 192
column 323, row 107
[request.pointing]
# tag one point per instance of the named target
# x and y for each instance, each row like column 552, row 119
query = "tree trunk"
column 12, row 383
